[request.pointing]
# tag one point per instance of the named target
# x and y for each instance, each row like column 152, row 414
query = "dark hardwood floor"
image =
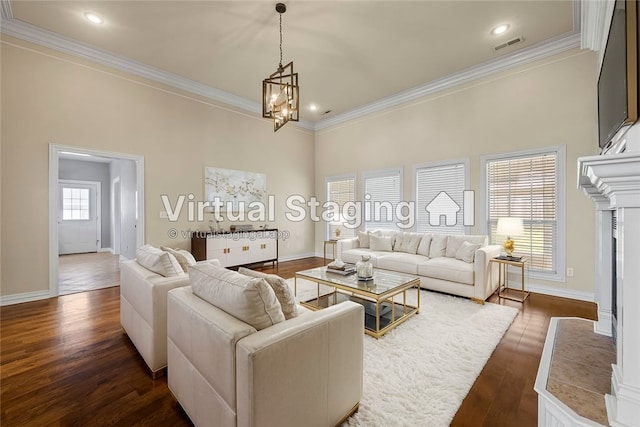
column 65, row 361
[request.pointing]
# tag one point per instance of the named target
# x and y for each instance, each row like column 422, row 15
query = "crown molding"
column 5, row 9
column 51, row 40
column 594, row 26
column 534, row 53
column 30, row 33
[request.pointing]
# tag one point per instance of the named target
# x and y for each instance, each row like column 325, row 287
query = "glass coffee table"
column 378, row 296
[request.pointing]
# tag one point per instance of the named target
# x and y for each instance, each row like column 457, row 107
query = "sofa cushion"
column 407, row 242
column 450, row 269
column 250, row 300
column 354, row 255
column 158, row 261
column 438, row 246
column 184, row 258
column 363, row 239
column 467, row 252
column 380, row 243
column 280, row 288
column 425, row 245
column 401, row 262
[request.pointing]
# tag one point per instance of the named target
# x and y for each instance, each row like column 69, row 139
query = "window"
column 530, row 186
column 341, row 190
column 382, row 192
column 438, row 212
column 75, row 203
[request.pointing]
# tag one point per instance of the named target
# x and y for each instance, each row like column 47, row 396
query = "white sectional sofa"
column 455, row 264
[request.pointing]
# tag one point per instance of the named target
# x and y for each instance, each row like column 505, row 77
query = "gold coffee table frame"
column 379, row 291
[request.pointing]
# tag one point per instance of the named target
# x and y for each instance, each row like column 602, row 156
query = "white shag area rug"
column 419, row 373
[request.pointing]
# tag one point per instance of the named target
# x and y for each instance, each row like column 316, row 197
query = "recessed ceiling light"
column 92, row 17
column 499, row 29
column 313, row 107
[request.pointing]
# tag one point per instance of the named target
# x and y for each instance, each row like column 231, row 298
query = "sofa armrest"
column 346, row 244
column 485, row 283
column 201, row 340
column 314, row 362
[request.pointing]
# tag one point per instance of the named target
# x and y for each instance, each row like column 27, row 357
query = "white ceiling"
column 347, row 53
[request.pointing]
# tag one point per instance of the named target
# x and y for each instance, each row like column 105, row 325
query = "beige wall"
column 550, row 102
column 48, row 97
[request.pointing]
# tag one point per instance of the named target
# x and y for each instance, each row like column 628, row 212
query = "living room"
column 538, row 104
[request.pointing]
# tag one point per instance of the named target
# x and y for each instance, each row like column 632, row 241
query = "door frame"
column 98, row 207
column 54, row 151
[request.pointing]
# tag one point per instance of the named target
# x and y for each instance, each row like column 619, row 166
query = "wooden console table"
column 236, row 248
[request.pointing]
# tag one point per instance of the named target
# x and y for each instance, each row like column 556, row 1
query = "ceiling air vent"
column 511, row 42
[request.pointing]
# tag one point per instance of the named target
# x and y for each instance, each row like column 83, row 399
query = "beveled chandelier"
column 280, row 89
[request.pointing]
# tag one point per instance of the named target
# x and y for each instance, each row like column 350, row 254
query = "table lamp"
column 509, row 227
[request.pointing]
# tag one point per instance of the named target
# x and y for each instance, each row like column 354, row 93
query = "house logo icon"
column 443, row 205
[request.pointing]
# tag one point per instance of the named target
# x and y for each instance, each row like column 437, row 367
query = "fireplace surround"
column 613, row 183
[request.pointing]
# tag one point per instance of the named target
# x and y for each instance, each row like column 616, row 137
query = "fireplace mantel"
column 613, row 183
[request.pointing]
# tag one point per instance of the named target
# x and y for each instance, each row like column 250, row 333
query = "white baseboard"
column 296, row 257
column 105, row 250
column 560, row 292
column 25, row 297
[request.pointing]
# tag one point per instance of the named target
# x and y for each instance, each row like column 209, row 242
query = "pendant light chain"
column 280, row 65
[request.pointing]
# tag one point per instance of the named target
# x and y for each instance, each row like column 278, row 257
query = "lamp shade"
column 510, row 226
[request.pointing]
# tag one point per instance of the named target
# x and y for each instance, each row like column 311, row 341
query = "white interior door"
column 78, row 216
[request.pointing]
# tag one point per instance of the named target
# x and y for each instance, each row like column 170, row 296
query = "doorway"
column 96, row 219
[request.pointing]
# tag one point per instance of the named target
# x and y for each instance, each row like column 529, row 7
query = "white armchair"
column 305, row 371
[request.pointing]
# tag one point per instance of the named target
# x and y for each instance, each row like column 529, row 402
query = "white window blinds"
column 526, row 187
column 382, row 194
column 340, row 190
column 430, row 182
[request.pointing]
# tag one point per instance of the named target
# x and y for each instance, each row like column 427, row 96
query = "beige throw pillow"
column 453, row 244
column 184, row 258
column 250, row 300
column 363, row 239
column 158, row 261
column 425, row 245
column 438, row 246
column 467, row 252
column 280, row 288
column 380, row 243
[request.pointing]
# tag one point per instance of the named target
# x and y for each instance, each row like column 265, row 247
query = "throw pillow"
column 250, row 300
column 363, row 239
column 467, row 252
column 384, row 233
column 425, row 245
column 380, row 243
column 280, row 288
column 438, row 246
column 453, row 244
column 158, row 261
column 184, row 258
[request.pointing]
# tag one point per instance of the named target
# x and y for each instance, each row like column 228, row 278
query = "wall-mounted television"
column 618, row 81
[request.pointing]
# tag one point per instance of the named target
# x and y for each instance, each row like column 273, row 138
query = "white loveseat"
column 444, row 263
column 235, row 361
